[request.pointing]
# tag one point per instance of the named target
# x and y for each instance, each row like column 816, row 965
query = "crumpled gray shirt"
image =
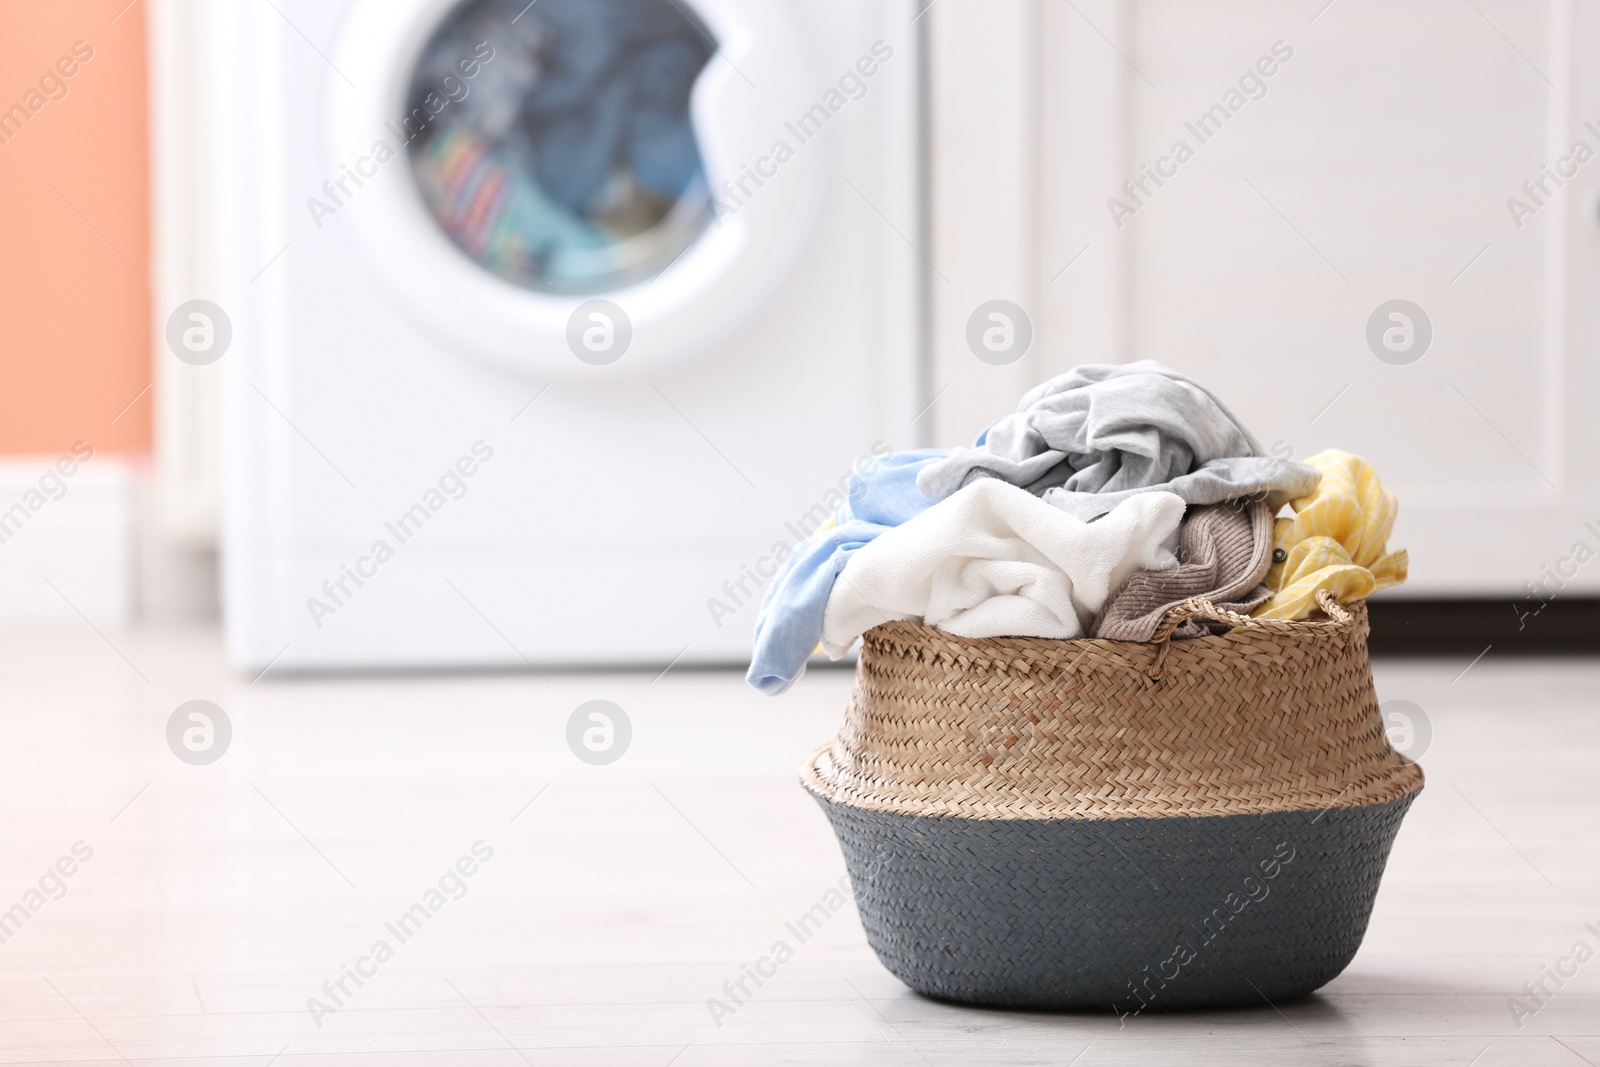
column 1088, row 439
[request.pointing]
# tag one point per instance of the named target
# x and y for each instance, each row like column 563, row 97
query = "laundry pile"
column 1112, row 494
column 575, row 143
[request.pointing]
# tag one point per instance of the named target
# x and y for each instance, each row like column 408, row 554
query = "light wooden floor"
column 219, row 899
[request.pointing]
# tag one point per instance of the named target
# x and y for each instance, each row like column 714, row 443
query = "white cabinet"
column 1333, row 160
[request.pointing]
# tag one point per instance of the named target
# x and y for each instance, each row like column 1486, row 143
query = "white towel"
column 993, row 560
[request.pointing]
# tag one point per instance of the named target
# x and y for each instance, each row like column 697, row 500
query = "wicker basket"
column 1114, row 825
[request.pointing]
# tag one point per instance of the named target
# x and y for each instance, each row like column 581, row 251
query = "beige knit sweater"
column 1224, row 552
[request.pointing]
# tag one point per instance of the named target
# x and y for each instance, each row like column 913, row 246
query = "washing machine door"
column 560, row 185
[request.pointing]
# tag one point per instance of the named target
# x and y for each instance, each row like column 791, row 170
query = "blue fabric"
column 789, row 623
column 613, row 92
column 889, row 496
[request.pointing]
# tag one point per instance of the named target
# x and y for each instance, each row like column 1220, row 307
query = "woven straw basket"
column 1115, row 825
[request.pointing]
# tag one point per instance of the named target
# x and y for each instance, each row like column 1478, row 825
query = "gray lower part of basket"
column 1124, row 915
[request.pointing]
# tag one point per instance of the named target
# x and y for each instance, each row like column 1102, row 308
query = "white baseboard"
column 66, row 539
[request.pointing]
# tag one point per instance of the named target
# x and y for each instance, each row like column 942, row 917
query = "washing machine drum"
column 567, row 160
column 556, row 152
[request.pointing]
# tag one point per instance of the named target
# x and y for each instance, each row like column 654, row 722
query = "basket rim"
column 1337, row 619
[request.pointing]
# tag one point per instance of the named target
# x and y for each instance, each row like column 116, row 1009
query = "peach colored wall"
column 74, row 228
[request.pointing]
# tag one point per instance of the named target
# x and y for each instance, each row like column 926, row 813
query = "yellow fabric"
column 1337, row 540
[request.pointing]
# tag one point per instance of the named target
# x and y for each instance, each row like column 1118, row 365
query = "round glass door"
column 552, row 140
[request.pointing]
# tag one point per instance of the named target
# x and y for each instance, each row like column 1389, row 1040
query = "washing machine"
column 553, row 325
